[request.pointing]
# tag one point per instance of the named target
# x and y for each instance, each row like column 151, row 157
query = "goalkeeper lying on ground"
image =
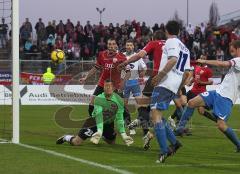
column 108, row 107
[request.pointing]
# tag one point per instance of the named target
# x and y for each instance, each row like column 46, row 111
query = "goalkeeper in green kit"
column 108, row 107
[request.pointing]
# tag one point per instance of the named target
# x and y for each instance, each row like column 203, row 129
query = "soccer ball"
column 57, row 56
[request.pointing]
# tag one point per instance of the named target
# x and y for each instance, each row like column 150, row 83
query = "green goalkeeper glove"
column 127, row 139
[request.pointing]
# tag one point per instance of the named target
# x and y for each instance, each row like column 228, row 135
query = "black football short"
column 190, row 95
column 89, row 128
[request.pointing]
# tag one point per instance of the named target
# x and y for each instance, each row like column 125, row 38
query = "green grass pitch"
column 207, row 151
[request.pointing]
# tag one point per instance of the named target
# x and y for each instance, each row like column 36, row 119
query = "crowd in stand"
column 87, row 40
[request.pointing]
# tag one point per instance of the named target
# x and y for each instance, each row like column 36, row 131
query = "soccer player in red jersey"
column 107, row 62
column 201, row 78
column 153, row 48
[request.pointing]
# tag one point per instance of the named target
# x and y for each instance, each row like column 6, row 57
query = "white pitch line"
column 3, row 141
column 177, row 165
column 107, row 167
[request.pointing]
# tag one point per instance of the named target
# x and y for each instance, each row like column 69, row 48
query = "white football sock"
column 68, row 138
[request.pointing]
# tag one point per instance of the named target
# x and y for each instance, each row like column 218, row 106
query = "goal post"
column 15, row 70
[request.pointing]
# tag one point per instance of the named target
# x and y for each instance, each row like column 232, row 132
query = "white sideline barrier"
column 56, row 94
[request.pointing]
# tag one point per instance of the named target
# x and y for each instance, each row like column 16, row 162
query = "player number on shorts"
column 181, row 61
column 89, row 132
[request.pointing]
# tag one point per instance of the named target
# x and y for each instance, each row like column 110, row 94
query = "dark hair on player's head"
column 173, row 27
column 112, row 39
column 235, row 44
column 108, row 81
column 130, row 41
column 159, row 35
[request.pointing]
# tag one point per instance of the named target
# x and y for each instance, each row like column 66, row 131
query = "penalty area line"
column 91, row 163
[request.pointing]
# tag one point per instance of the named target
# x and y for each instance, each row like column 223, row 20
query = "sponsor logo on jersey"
column 108, row 66
column 131, row 66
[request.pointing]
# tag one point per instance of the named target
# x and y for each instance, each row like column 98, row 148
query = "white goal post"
column 15, row 70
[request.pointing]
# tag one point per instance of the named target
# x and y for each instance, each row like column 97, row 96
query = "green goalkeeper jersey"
column 109, row 110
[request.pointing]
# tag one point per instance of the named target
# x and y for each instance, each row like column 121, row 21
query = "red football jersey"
column 203, row 74
column 155, row 48
column 108, row 64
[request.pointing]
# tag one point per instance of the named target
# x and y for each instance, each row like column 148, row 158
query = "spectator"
column 203, row 28
column 51, row 41
column 219, row 54
column 155, row 27
column 88, row 27
column 59, row 43
column 54, row 24
column 101, row 45
column 60, row 29
column 3, row 34
column 79, row 25
column 144, row 29
column 190, row 29
column 162, row 27
column 28, row 26
column 197, row 38
column 211, row 51
column 40, row 31
column 69, row 28
column 76, row 51
column 111, row 28
column 133, row 34
column 28, row 45
column 50, row 30
column 24, row 34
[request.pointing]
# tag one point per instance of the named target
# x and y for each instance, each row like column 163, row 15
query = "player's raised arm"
column 133, row 58
column 225, row 64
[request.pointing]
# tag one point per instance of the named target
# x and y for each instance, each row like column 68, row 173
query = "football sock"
column 174, row 115
column 187, row 113
column 143, row 116
column 210, row 116
column 179, row 112
column 232, row 136
column 170, row 135
column 160, row 132
column 68, row 138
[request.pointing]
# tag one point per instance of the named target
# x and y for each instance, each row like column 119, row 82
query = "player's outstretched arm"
column 89, row 74
column 225, row 64
column 133, row 58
